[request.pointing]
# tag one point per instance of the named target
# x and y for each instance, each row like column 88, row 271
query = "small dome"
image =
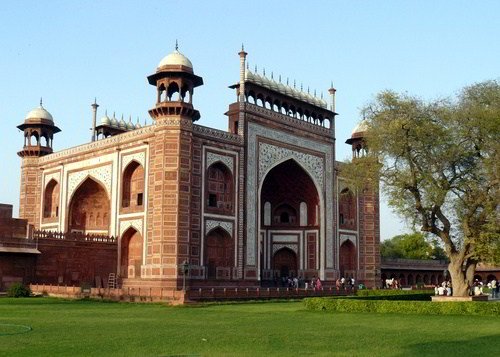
column 360, row 128
column 249, row 75
column 130, row 125
column 137, row 125
column 114, row 121
column 122, row 124
column 39, row 113
column 175, row 59
column 105, row 120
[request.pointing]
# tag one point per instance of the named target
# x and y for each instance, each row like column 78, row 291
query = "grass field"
column 89, row 328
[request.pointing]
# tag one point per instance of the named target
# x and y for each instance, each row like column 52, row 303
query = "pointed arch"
column 285, row 262
column 133, row 187
column 89, row 208
column 347, row 209
column 51, row 199
column 131, row 250
column 219, row 251
column 219, row 193
column 347, row 258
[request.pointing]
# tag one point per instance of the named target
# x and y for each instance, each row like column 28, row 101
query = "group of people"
column 299, row 282
column 344, row 283
column 477, row 288
column 443, row 289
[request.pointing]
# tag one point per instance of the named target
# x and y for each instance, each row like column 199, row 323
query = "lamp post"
column 185, row 271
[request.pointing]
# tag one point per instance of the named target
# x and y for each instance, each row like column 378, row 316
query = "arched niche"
column 285, row 262
column 133, row 187
column 347, row 210
column 347, row 258
column 131, row 254
column 219, row 251
column 89, row 209
column 51, row 200
column 219, row 195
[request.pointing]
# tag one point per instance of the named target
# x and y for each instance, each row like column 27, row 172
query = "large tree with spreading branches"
column 438, row 163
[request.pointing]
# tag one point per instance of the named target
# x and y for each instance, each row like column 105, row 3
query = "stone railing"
column 74, row 236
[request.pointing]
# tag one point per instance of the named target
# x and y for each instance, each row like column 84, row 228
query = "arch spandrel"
column 272, row 155
column 101, row 174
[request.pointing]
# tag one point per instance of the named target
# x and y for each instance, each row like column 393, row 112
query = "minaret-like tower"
column 369, row 216
column 169, row 198
column 39, row 130
column 94, row 118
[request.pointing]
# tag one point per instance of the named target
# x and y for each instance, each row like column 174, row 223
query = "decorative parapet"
column 98, row 145
column 216, row 134
column 294, row 122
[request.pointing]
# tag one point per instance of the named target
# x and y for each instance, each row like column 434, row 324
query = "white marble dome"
column 39, row 113
column 175, row 59
column 360, row 128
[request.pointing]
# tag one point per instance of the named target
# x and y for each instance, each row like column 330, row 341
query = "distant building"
column 243, row 207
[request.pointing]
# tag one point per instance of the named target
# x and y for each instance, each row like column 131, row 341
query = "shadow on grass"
column 480, row 346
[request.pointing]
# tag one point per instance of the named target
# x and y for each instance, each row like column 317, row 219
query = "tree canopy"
column 438, row 163
column 411, row 246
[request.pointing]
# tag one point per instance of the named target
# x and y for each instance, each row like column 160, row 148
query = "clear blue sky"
column 70, row 52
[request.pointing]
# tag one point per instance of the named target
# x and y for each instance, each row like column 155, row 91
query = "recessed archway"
column 51, row 200
column 285, row 262
column 89, row 209
column 287, row 186
column 131, row 254
column 347, row 258
column 219, row 251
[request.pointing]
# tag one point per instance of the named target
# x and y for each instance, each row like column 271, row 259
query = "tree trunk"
column 458, row 277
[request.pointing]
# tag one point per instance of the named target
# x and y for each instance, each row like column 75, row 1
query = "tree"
column 438, row 163
column 411, row 246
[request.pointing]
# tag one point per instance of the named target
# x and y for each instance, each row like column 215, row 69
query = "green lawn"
column 87, row 328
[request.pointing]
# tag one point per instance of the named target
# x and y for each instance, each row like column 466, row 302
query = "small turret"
column 39, row 130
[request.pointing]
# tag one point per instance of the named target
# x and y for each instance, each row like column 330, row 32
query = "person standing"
column 494, row 285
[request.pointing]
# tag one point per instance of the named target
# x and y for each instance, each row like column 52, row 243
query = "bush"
column 416, row 295
column 403, row 307
column 18, row 290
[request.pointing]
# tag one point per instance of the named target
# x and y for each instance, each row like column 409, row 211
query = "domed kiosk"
column 39, row 130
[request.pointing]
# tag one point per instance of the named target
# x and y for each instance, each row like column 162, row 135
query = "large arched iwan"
column 89, row 209
column 287, row 186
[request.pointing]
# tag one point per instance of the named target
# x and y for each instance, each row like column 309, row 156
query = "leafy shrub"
column 403, row 307
column 415, row 295
column 18, row 290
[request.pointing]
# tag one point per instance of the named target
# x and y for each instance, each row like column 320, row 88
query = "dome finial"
column 264, row 72
column 41, row 106
column 176, row 45
column 242, row 47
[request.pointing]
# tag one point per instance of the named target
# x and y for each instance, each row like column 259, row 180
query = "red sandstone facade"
column 243, row 207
